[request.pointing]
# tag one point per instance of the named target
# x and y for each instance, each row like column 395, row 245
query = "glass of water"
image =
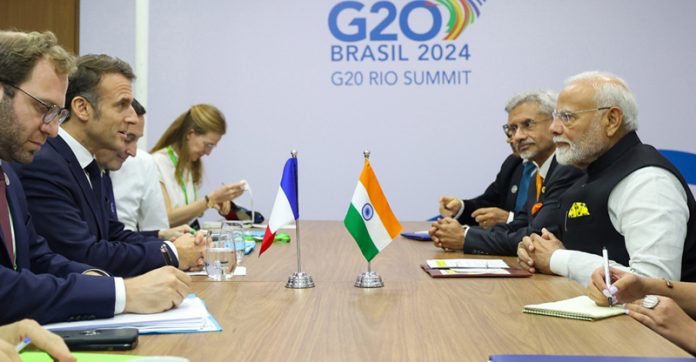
column 220, row 256
column 239, row 230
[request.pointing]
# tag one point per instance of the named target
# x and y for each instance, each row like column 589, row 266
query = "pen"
column 20, row 346
column 607, row 278
column 165, row 254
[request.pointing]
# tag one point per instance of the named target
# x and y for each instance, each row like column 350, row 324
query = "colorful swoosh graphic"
column 462, row 14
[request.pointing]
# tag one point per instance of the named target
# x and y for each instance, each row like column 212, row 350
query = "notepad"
column 582, row 308
column 33, row 356
column 189, row 317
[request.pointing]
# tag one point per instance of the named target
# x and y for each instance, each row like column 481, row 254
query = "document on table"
column 466, row 263
column 190, row 316
column 582, row 308
column 464, row 268
column 238, row 271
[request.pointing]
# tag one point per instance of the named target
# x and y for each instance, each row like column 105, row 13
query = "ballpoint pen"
column 20, row 346
column 607, row 278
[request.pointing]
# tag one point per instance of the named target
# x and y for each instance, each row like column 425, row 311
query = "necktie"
column 539, row 185
column 111, row 200
column 523, row 188
column 95, row 179
column 5, row 219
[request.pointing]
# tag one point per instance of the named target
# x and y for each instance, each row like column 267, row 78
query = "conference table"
column 413, row 317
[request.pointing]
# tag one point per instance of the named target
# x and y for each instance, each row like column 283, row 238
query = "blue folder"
column 549, row 358
column 417, row 235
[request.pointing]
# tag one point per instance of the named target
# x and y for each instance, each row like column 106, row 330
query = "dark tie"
column 95, row 179
column 111, row 200
column 5, row 218
column 522, row 190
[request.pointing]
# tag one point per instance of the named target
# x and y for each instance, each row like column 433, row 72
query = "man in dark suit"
column 502, row 198
column 34, row 281
column 529, row 115
column 498, row 204
column 65, row 176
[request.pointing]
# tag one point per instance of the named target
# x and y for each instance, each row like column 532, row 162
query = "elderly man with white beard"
column 632, row 201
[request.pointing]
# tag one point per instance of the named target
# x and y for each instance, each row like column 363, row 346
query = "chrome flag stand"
column 369, row 279
column 299, row 279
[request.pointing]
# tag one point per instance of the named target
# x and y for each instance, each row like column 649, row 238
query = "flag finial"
column 293, row 153
column 366, row 153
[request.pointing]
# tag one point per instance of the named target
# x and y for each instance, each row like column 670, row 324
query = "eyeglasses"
column 526, row 125
column 566, row 116
column 53, row 112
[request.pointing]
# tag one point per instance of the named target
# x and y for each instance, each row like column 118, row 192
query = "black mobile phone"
column 117, row 339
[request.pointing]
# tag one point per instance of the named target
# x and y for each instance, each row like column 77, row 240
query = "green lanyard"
column 175, row 161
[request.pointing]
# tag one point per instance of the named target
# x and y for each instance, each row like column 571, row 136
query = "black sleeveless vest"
column 587, row 226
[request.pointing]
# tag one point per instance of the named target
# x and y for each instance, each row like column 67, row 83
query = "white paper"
column 474, row 271
column 190, row 316
column 238, row 271
column 466, row 263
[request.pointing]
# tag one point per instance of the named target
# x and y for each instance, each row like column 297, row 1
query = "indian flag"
column 370, row 220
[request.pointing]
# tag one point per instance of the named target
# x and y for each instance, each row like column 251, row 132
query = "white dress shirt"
column 139, row 202
column 649, row 208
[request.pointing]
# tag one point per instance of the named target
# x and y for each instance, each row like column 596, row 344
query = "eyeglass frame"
column 61, row 114
column 568, row 114
column 510, row 131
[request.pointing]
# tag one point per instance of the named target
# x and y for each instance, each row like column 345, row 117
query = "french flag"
column 285, row 208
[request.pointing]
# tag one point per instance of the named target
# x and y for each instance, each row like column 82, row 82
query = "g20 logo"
column 462, row 13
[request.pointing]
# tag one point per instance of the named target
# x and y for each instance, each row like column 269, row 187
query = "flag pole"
column 368, row 279
column 299, row 279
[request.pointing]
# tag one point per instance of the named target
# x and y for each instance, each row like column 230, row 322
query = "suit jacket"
column 501, row 193
column 75, row 222
column 45, row 286
column 503, row 239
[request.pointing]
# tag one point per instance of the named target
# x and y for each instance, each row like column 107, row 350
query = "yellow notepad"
column 582, row 308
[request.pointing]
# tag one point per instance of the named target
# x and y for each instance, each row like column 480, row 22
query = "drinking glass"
column 220, row 258
column 240, row 230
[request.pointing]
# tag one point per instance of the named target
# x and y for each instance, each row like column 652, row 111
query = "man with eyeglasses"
column 529, row 116
column 632, row 201
column 66, row 176
column 35, row 282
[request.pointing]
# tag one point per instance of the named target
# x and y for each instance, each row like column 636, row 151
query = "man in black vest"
column 632, row 201
column 529, row 116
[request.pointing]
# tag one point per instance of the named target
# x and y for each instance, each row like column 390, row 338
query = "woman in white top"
column 178, row 155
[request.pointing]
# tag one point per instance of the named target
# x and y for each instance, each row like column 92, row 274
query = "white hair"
column 613, row 91
column 545, row 98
